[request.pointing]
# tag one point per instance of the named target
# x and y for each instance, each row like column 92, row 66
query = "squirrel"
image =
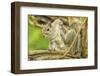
column 58, row 39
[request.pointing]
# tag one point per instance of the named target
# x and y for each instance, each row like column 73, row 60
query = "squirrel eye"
column 48, row 29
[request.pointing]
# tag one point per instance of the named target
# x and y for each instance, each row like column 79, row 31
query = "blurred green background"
column 36, row 41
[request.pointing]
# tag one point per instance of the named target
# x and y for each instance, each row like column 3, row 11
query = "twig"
column 34, row 23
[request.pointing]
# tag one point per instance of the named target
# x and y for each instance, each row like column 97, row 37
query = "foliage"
column 36, row 40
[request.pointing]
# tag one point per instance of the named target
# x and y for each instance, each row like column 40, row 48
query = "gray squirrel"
column 60, row 37
column 52, row 31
